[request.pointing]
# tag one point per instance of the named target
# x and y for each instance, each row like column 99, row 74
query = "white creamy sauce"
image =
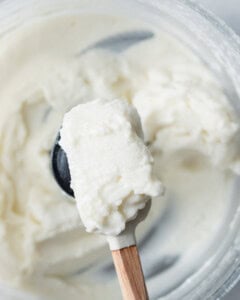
column 188, row 123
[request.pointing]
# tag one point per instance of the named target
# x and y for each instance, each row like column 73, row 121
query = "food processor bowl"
column 217, row 272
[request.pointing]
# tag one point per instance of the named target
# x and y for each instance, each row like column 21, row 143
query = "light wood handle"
column 130, row 275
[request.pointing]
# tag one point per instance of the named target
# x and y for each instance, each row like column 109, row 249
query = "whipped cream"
column 110, row 166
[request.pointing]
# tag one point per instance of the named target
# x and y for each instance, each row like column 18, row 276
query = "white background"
column 229, row 10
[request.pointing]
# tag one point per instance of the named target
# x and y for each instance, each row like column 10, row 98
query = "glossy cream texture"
column 188, row 123
column 111, row 168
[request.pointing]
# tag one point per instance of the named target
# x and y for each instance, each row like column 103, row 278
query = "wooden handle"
column 130, row 275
